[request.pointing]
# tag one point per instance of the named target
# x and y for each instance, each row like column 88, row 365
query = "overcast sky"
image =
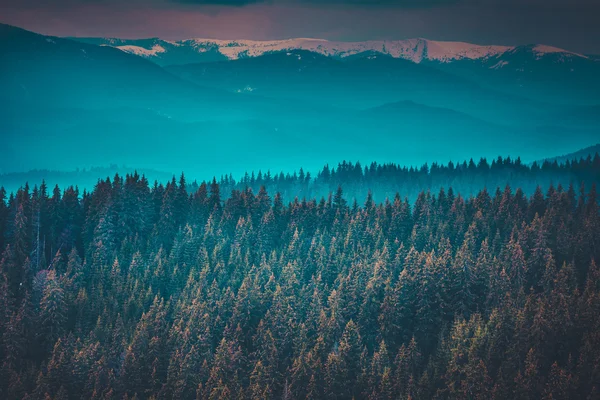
column 570, row 24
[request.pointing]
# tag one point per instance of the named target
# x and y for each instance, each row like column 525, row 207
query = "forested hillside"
column 383, row 181
column 145, row 291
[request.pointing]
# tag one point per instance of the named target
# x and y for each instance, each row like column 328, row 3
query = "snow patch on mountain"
column 499, row 64
column 141, row 51
column 540, row 50
column 544, row 49
column 449, row 51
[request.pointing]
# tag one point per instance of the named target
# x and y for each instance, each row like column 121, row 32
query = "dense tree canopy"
column 385, row 180
column 229, row 291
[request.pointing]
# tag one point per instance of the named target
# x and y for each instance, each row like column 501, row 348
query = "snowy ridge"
column 416, row 50
column 412, row 49
column 541, row 50
column 449, row 51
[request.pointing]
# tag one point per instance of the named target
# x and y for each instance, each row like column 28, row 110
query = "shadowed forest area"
column 468, row 281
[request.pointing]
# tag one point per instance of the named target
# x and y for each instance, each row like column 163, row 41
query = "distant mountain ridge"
column 165, row 52
column 591, row 151
column 536, row 71
column 102, row 105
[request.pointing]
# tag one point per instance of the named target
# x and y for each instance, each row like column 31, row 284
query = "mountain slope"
column 537, row 72
column 161, row 52
column 39, row 70
column 101, row 105
column 361, row 81
column 592, row 151
column 401, row 132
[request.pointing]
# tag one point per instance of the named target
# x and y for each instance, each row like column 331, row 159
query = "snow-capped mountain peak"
column 416, row 50
column 542, row 50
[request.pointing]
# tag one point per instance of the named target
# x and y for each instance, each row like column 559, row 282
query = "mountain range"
column 204, row 106
column 166, row 52
column 526, row 70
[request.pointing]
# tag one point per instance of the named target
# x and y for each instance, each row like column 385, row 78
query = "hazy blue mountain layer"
column 102, row 106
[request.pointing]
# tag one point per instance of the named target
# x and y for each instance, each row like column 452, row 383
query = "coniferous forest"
column 468, row 281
